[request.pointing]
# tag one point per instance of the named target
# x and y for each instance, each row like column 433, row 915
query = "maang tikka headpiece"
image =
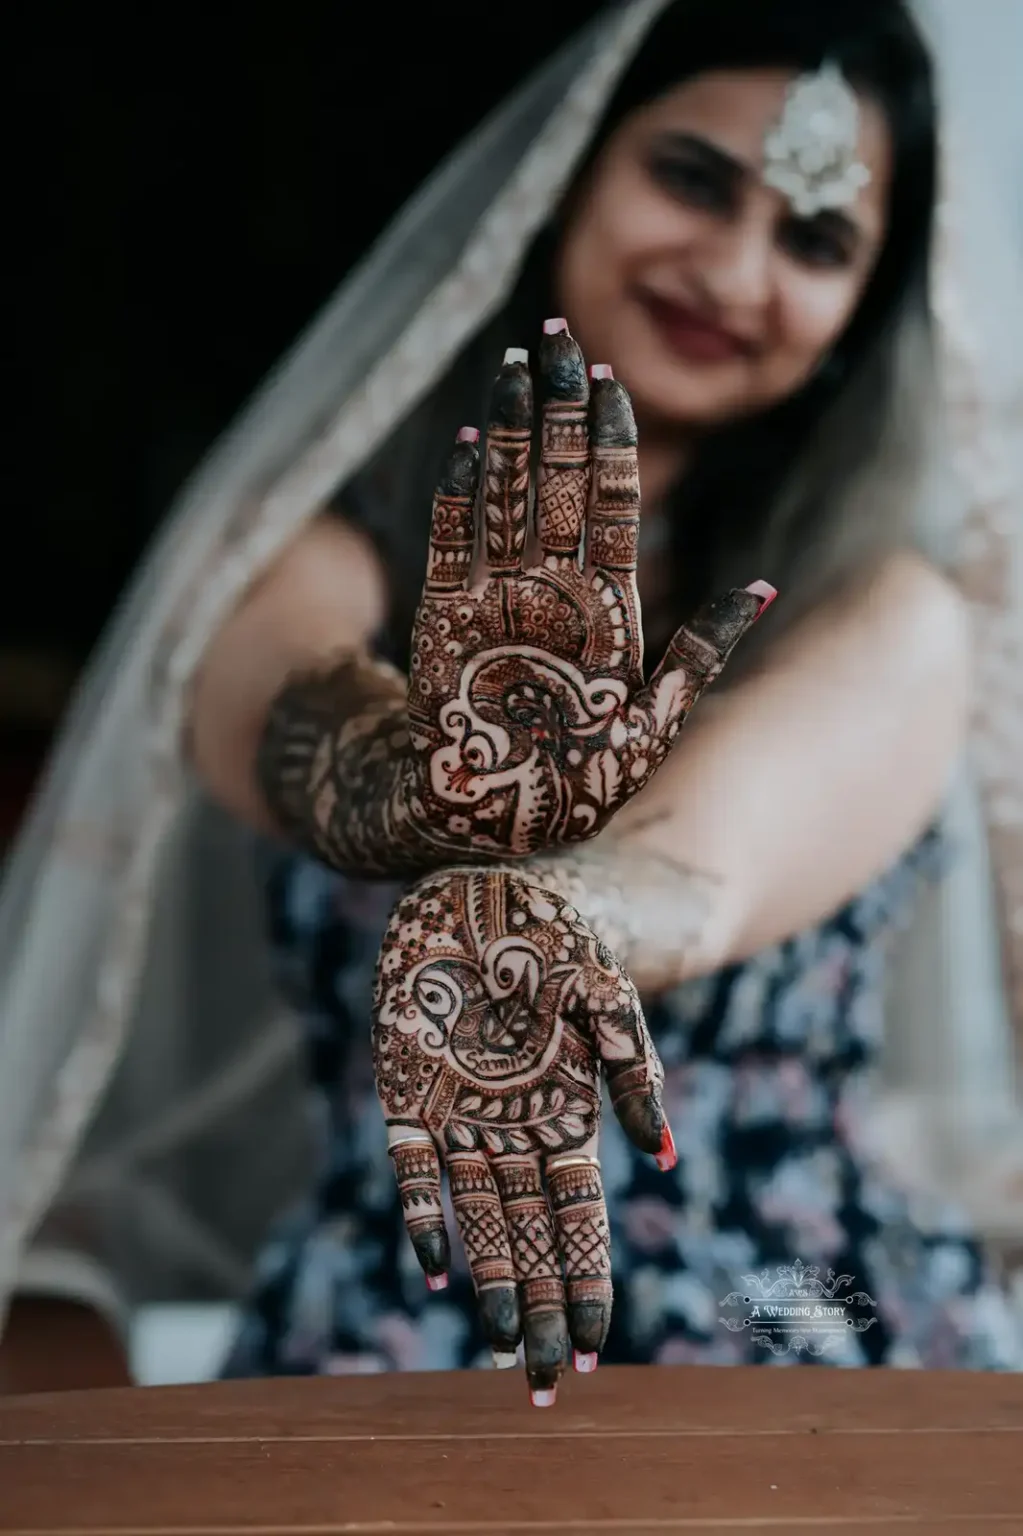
column 810, row 153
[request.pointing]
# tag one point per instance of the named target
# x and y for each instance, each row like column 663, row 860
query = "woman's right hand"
column 498, row 1016
column 529, row 720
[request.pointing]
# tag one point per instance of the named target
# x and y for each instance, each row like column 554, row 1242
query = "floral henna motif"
column 525, row 723
column 529, row 721
column 496, row 1012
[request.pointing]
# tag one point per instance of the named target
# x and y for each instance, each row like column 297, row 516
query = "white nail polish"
column 504, row 1362
column 554, row 327
column 516, row 355
column 585, row 1364
column 763, row 589
column 601, row 371
column 544, row 1399
column 437, row 1282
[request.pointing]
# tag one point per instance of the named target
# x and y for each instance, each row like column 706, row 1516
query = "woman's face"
column 695, row 281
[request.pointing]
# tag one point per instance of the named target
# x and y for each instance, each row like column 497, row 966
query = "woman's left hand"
column 530, row 724
column 497, row 1013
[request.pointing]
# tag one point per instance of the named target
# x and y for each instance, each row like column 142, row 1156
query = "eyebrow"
column 693, row 143
column 678, row 141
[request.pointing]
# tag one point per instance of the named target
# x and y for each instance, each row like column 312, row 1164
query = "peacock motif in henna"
column 525, row 722
column 529, row 720
column 497, row 1013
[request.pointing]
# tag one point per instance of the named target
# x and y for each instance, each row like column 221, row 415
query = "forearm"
column 788, row 794
column 324, row 596
column 663, row 919
column 333, row 768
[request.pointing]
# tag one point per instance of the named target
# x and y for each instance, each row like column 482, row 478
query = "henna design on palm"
column 497, row 1011
column 529, row 720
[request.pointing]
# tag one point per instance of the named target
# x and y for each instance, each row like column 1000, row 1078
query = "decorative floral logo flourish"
column 797, row 1312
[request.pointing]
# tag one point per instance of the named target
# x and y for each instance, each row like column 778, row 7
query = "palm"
column 497, row 1014
column 530, row 724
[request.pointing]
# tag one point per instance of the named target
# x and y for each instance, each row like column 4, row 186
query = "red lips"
column 691, row 335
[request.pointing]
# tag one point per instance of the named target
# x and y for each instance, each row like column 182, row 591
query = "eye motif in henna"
column 529, row 720
column 496, row 1011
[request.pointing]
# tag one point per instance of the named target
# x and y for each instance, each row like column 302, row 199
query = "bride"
column 734, row 209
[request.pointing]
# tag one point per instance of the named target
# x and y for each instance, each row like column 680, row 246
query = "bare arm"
column 326, row 595
column 787, row 794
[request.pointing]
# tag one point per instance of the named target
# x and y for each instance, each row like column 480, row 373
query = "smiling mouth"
column 691, row 335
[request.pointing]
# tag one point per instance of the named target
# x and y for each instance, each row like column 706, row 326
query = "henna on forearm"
column 332, row 766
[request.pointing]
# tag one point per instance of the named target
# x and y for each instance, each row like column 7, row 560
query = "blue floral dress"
column 773, row 1241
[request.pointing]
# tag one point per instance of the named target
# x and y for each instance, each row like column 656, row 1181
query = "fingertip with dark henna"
column 725, row 620
column 612, row 422
column 638, row 1110
column 500, row 1318
column 433, row 1250
column 461, row 472
column 562, row 367
column 511, row 399
column 588, row 1324
column 547, row 1349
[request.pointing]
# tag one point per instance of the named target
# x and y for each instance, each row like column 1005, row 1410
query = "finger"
column 613, row 529
column 452, row 530
column 538, row 1271
column 481, row 1223
column 699, row 650
column 506, row 480
column 576, row 1195
column 417, row 1170
column 632, row 1067
column 563, row 485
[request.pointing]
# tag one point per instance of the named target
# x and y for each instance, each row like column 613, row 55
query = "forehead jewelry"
column 810, row 153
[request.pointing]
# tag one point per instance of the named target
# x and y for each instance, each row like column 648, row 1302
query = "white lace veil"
column 148, row 1103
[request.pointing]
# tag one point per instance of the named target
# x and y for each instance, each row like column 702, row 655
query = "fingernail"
column 545, row 1398
column 585, row 1364
column 667, row 1157
column 765, row 592
column 468, row 435
column 436, row 1282
column 503, row 1361
column 516, row 355
column 601, row 371
column 553, row 327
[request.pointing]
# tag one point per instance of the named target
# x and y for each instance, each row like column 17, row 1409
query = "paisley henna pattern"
column 526, row 722
column 529, row 721
column 496, row 1009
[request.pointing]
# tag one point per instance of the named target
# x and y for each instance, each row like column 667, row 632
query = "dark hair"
column 754, row 503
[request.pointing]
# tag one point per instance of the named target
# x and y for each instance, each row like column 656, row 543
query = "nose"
column 738, row 272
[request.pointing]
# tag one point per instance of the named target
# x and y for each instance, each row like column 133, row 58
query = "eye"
column 692, row 181
column 815, row 244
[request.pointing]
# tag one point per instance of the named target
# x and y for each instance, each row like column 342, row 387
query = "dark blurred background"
column 188, row 183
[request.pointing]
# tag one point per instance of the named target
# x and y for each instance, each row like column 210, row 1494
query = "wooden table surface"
column 709, row 1452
